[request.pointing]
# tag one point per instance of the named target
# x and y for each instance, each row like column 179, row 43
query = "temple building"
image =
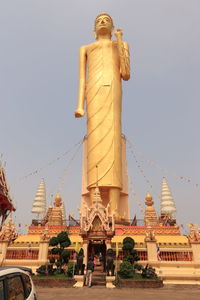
column 6, row 205
column 178, row 260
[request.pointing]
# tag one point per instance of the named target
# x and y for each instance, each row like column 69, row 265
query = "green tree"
column 126, row 270
column 59, row 244
column 130, row 254
column 130, row 257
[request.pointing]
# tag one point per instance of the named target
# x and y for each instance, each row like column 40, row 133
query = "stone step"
column 98, row 269
column 99, row 273
column 98, row 283
column 98, row 286
column 99, row 279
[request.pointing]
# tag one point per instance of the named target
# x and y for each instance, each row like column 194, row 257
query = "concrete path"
column 96, row 293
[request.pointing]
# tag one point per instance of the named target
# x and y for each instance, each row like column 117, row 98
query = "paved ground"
column 166, row 293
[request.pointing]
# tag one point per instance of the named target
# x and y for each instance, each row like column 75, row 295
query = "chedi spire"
column 167, row 205
column 39, row 204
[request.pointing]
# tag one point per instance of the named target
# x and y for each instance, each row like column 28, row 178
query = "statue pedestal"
column 79, row 281
column 109, row 282
column 152, row 250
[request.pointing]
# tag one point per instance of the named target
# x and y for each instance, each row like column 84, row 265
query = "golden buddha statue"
column 105, row 62
column 55, row 215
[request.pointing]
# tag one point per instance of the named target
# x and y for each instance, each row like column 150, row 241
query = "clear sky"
column 40, row 40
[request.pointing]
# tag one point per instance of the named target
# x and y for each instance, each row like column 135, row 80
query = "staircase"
column 98, row 277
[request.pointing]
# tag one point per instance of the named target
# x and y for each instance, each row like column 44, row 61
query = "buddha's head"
column 103, row 25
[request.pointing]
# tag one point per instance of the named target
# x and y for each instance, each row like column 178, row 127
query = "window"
column 1, row 290
column 28, row 285
column 15, row 288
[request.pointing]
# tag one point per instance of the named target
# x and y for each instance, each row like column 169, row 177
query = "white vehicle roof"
column 7, row 271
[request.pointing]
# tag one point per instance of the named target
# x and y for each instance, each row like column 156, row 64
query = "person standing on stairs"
column 90, row 270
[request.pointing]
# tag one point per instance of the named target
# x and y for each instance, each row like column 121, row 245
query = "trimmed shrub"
column 52, row 260
column 126, row 270
column 129, row 240
column 53, row 241
column 60, row 242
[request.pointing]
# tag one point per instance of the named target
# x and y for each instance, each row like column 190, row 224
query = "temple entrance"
column 97, row 250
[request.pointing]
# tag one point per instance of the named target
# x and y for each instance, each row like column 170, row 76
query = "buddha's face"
column 103, row 25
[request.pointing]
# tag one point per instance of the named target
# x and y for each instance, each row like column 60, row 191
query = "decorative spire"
column 97, row 197
column 150, row 213
column 6, row 204
column 167, row 205
column 8, row 232
column 4, row 189
column 149, row 200
column 58, row 200
column 63, row 212
column 39, row 204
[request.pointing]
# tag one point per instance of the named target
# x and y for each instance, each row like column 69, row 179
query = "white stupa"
column 167, row 205
column 39, row 204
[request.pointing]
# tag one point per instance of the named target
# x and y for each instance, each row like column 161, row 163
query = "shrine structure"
column 159, row 241
column 6, row 205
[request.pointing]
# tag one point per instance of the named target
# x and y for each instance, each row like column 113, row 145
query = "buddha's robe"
column 103, row 98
